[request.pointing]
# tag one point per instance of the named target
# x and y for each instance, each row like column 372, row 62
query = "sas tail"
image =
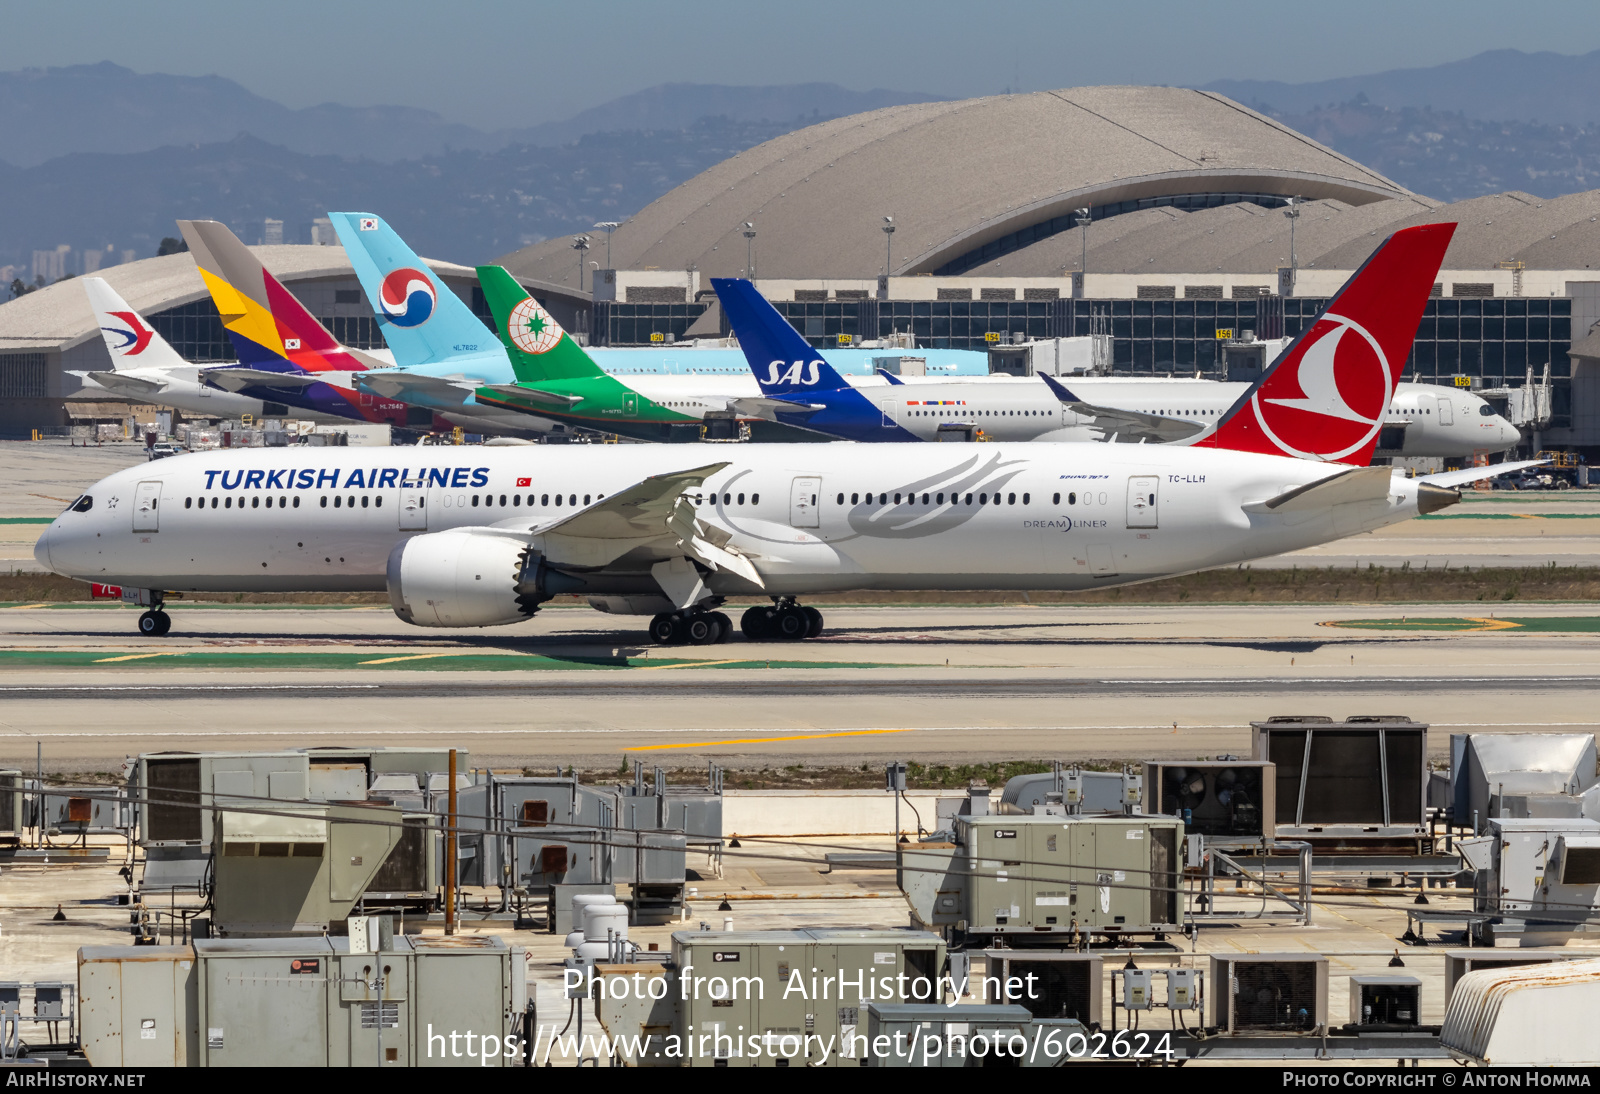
column 1325, row 396
column 267, row 324
column 539, row 349
column 132, row 342
column 783, row 362
column 423, row 321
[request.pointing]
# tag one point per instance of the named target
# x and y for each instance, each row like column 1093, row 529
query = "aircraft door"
column 630, row 405
column 1446, row 411
column 804, row 495
column 146, row 503
column 1143, row 501
column 891, row 412
column 413, row 509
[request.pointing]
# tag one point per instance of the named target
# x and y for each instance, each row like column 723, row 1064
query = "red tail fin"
column 1324, row 398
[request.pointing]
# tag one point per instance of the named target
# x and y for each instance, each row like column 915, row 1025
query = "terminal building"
column 1170, row 220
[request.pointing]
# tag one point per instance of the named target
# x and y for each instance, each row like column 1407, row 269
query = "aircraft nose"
column 41, row 548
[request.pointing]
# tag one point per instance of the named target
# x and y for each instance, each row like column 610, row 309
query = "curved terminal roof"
column 58, row 316
column 960, row 176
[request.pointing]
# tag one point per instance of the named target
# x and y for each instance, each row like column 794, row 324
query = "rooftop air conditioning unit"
column 1064, row 985
column 1326, row 789
column 1388, row 1002
column 1269, row 992
column 1218, row 799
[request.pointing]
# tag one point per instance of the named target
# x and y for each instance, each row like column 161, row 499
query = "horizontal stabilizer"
column 535, row 395
column 133, row 385
column 769, row 408
column 1354, row 484
column 396, row 385
column 1477, row 474
column 237, row 379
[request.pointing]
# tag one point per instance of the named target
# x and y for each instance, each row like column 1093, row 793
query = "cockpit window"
column 1485, row 410
column 82, row 505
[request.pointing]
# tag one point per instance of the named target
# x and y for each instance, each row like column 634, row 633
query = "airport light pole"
column 581, row 245
column 1083, row 247
column 1293, row 213
column 749, row 251
column 608, row 226
column 888, row 246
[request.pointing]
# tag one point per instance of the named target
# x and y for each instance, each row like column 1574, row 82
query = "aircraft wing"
column 237, row 379
column 396, row 385
column 650, row 520
column 536, row 395
column 130, row 385
column 1124, row 424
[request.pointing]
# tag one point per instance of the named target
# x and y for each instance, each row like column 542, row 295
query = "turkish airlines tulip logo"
column 1331, row 401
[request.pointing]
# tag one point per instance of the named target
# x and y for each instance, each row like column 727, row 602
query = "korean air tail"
column 133, row 343
column 423, row 321
column 1325, row 396
column 268, row 325
column 540, row 350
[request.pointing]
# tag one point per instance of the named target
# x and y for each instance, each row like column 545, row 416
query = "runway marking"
column 139, row 656
column 408, row 657
column 768, row 740
column 694, row 664
column 23, row 607
column 1579, row 624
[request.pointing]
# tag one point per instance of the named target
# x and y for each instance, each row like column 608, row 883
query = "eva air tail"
column 539, row 349
column 423, row 321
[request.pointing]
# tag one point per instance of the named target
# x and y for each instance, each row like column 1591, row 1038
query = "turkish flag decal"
column 524, row 482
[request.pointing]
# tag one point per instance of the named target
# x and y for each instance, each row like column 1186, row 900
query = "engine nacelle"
column 469, row 579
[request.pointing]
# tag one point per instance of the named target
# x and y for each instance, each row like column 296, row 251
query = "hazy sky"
column 494, row 63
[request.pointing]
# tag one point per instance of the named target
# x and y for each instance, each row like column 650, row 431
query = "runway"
column 935, row 684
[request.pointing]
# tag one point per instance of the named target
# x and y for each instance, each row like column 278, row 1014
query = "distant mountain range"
column 1500, row 85
column 179, row 146
column 468, row 206
column 105, row 108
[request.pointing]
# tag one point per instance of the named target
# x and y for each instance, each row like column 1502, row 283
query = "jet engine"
column 470, row 579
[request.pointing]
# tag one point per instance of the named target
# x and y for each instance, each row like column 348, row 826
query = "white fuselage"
column 809, row 517
column 1009, row 408
column 177, row 387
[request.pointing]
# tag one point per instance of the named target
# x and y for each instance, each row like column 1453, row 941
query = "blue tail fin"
column 421, row 318
column 783, row 363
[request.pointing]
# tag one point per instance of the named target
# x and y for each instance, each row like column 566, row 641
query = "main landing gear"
column 691, row 628
column 783, row 621
column 155, row 622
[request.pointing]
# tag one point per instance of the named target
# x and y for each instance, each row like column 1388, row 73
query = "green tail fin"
column 539, row 349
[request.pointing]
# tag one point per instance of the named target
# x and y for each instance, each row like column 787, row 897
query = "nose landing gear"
column 155, row 622
column 784, row 621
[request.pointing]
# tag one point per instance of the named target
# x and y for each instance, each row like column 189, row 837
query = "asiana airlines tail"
column 483, row 537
